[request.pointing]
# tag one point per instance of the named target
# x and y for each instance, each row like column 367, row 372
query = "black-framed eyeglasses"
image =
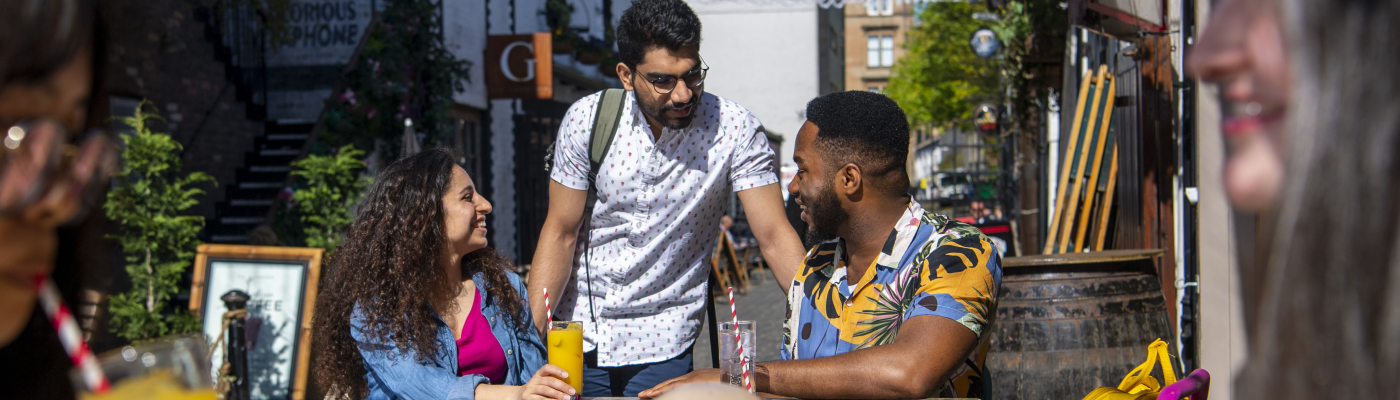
column 36, row 157
column 693, row 79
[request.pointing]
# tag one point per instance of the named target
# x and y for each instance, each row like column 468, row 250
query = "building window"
column 468, row 139
column 873, row 89
column 879, row 51
column 879, row 7
column 469, row 146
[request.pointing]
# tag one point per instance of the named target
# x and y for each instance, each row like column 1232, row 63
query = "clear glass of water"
column 731, row 360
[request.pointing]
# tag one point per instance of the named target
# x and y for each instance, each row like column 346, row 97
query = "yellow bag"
column 1139, row 384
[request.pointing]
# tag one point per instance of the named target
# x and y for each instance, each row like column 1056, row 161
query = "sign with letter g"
column 519, row 66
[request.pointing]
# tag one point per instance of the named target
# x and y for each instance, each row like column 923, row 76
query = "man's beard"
column 658, row 112
column 826, row 214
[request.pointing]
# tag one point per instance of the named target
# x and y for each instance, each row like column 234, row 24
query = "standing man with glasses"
column 637, row 276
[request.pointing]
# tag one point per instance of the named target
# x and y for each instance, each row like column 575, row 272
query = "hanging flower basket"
column 608, row 67
column 590, row 57
column 562, row 45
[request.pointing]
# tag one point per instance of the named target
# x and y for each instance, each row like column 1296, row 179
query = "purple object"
column 252, row 327
column 1196, row 385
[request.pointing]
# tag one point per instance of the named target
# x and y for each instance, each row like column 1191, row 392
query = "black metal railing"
column 238, row 31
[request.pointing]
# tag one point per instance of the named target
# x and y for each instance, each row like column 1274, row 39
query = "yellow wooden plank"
column 1102, row 138
column 1078, row 182
column 1065, row 163
column 1107, row 206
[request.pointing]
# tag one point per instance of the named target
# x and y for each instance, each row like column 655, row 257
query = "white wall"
column 762, row 55
column 464, row 34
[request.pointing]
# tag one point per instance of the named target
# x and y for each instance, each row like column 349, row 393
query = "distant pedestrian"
column 636, row 277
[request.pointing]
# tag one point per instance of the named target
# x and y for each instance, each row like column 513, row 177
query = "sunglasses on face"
column 37, row 159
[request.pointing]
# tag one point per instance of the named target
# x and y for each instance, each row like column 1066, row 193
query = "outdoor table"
column 763, row 396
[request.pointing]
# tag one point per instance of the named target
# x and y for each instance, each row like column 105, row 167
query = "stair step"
column 279, row 152
column 275, row 127
column 241, row 220
column 229, row 238
column 270, row 168
column 250, row 203
column 286, row 136
column 260, row 185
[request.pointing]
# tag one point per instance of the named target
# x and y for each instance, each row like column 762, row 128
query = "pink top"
column 478, row 352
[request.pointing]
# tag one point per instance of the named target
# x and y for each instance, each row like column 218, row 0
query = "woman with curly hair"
column 416, row 306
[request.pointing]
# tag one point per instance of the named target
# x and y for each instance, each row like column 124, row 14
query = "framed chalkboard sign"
column 281, row 283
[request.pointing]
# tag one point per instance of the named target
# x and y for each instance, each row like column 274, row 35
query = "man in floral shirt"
column 893, row 302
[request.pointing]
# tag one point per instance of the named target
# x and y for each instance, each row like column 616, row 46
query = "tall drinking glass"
column 731, row 360
column 566, row 350
column 168, row 369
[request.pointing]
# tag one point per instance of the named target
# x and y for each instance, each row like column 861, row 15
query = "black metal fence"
column 243, row 44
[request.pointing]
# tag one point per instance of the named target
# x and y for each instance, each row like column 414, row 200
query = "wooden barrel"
column 1064, row 328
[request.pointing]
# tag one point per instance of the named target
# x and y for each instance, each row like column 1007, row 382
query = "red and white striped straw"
column 548, row 316
column 738, row 341
column 71, row 336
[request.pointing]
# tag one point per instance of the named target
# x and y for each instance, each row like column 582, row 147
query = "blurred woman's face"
column 28, row 239
column 464, row 211
column 1242, row 50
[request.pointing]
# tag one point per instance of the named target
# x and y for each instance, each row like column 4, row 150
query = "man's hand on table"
column 704, row 375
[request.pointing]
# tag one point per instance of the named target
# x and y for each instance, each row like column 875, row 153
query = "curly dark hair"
column 655, row 23
column 388, row 266
column 867, row 129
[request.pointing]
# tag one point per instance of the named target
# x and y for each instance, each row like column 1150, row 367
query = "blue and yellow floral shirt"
column 930, row 265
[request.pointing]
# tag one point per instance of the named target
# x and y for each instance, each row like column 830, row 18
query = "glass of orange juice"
column 166, row 369
column 566, row 350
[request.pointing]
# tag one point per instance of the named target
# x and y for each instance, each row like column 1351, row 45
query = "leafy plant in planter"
column 159, row 242
column 564, row 42
column 593, row 51
column 558, row 14
column 608, row 67
column 403, row 71
column 333, row 185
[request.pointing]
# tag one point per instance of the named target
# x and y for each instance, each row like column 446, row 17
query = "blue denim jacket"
column 392, row 373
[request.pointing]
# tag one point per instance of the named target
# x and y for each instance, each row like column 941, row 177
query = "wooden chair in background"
column 724, row 264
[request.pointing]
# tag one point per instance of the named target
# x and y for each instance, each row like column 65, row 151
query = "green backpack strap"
column 605, row 123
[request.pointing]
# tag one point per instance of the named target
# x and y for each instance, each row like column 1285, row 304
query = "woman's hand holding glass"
column 548, row 383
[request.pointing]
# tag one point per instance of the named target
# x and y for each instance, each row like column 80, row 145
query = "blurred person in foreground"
column 895, row 302
column 1315, row 80
column 632, row 265
column 1243, row 51
column 53, row 161
column 416, row 306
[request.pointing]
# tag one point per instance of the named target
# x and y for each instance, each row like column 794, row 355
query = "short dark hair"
column 866, row 129
column 655, row 23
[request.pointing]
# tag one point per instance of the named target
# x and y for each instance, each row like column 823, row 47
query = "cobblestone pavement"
column 764, row 303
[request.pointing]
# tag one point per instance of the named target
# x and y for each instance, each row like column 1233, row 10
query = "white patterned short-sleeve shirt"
column 654, row 224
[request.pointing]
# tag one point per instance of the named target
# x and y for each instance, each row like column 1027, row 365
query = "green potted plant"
column 608, row 67
column 564, row 41
column 157, row 237
column 593, row 52
column 558, row 14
